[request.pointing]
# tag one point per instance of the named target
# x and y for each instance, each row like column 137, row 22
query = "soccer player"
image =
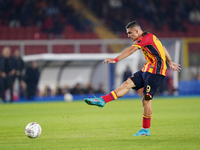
column 150, row 77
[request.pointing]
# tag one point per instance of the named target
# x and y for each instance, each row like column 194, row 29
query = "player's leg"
column 147, row 108
column 152, row 83
column 125, row 87
column 146, row 123
column 131, row 82
column 119, row 92
column 147, row 111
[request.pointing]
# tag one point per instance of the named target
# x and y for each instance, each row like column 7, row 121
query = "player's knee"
column 128, row 84
column 147, row 97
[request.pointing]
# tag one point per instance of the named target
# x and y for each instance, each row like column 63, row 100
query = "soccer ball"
column 68, row 97
column 33, row 130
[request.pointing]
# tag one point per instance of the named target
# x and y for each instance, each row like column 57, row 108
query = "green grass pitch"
column 75, row 125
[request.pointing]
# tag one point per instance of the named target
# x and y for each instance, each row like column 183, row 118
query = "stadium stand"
column 168, row 18
column 33, row 49
column 29, row 20
column 63, row 49
column 173, row 18
column 32, row 16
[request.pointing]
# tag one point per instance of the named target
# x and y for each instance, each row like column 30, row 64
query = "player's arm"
column 173, row 66
column 127, row 52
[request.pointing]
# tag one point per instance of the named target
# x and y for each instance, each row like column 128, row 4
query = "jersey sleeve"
column 143, row 40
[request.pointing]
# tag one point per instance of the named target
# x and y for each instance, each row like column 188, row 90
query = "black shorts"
column 149, row 81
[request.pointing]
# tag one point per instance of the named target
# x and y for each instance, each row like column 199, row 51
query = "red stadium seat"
column 43, row 35
column 33, row 49
column 90, row 49
column 63, row 49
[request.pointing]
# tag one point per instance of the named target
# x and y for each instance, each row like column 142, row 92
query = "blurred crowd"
column 78, row 89
column 13, row 70
column 51, row 15
column 173, row 13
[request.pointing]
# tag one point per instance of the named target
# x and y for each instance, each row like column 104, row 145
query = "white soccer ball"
column 68, row 97
column 33, row 130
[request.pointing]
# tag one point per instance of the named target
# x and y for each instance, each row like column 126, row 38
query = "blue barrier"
column 61, row 98
column 189, row 87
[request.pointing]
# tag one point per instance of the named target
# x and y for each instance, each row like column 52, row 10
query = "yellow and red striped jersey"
column 153, row 52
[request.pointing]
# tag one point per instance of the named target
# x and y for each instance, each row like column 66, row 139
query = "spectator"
column 22, row 90
column 177, row 24
column 65, row 89
column 58, row 90
column 89, row 89
column 169, row 12
column 149, row 8
column 100, row 90
column 127, row 73
column 85, row 24
column 23, row 17
column 51, row 10
column 39, row 17
column 77, row 89
column 7, row 69
column 194, row 16
column 14, row 19
column 19, row 64
column 47, row 91
column 48, row 26
column 19, row 69
column 115, row 3
column 58, row 28
column 31, row 78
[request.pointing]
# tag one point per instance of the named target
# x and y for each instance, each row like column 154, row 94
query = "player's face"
column 132, row 33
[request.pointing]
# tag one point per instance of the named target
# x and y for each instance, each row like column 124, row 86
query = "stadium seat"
column 32, row 49
column 90, row 48
column 43, row 36
column 63, row 49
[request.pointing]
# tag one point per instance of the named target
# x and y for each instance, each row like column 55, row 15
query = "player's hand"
column 109, row 60
column 175, row 67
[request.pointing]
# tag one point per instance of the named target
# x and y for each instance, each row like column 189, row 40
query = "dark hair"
column 132, row 24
